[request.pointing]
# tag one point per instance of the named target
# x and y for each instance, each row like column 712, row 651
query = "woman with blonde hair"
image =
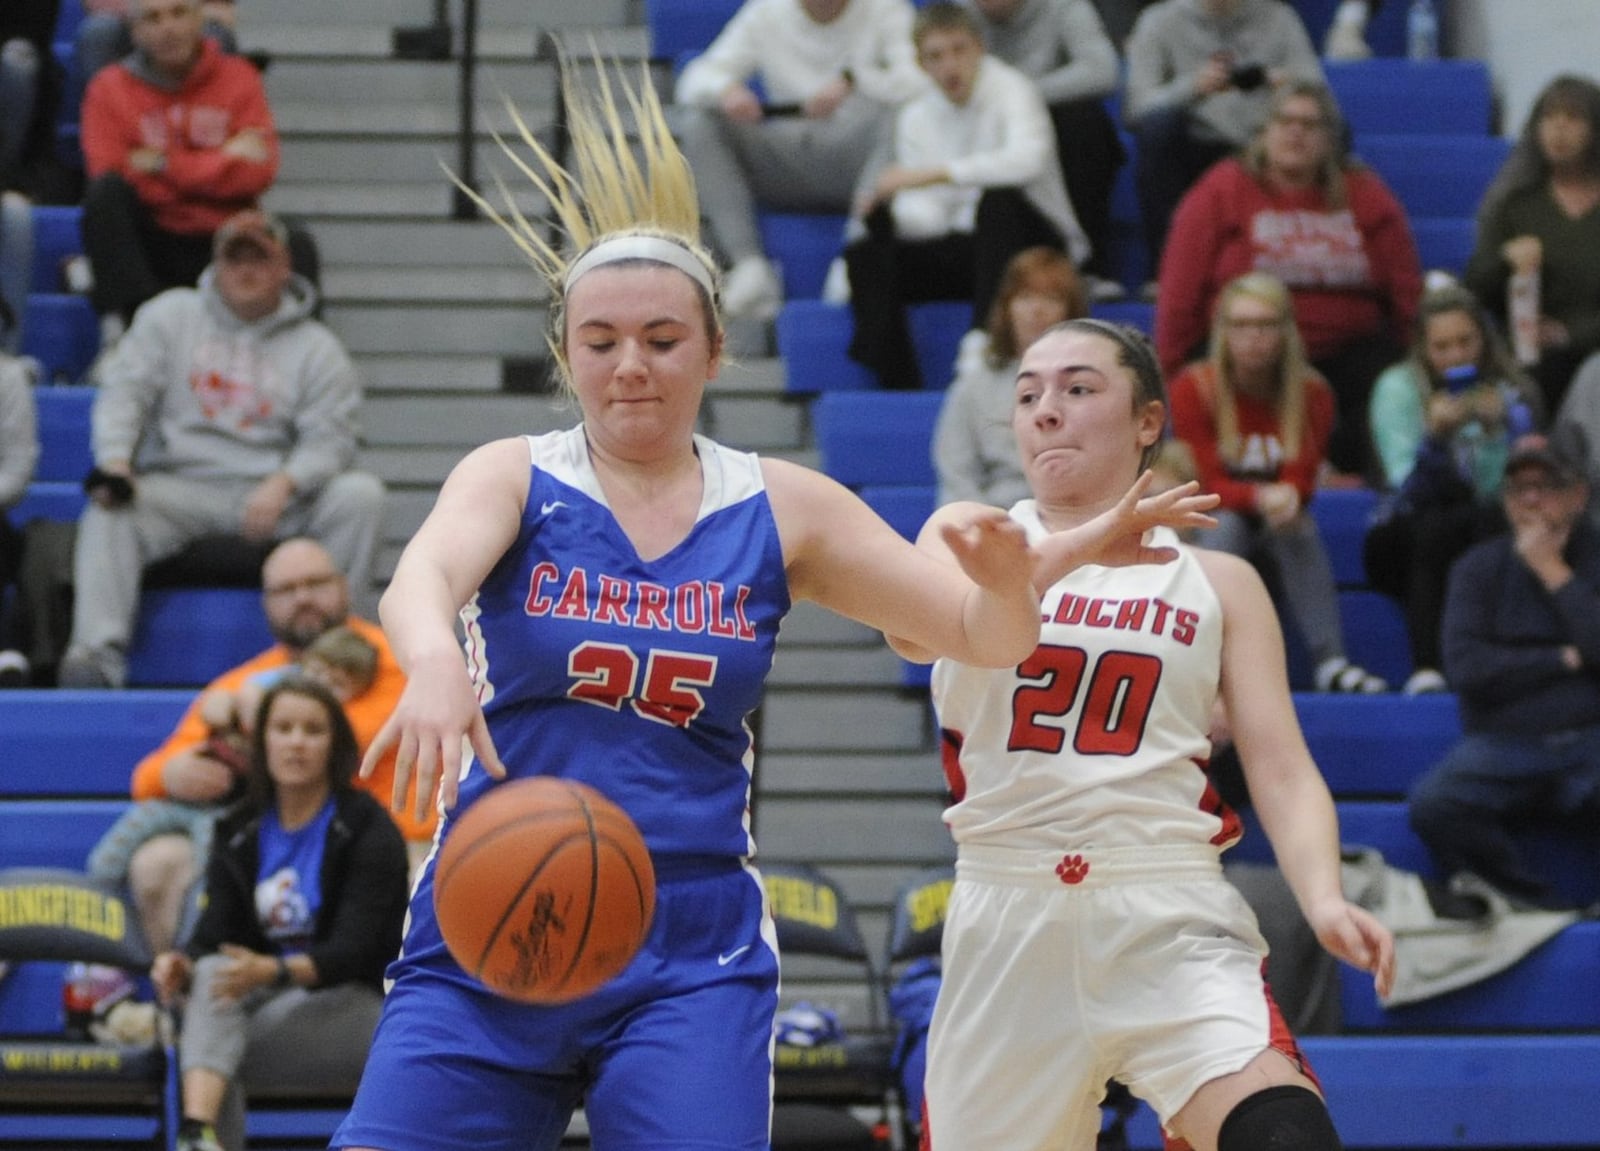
column 1257, row 417
column 1296, row 205
column 621, row 584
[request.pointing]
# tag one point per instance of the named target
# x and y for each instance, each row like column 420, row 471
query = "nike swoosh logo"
column 550, row 506
column 724, row 960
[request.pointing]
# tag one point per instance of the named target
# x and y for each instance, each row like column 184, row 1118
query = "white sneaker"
column 1102, row 291
column 14, row 669
column 836, row 286
column 751, row 290
column 1345, row 42
column 1425, row 681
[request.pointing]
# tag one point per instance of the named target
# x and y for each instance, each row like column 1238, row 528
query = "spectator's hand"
column 241, row 972
column 1277, row 503
column 147, row 160
column 1553, row 333
column 1487, row 406
column 170, row 975
column 1213, row 74
column 895, row 179
column 1446, row 413
column 1539, row 542
column 438, row 710
column 1523, row 253
column 250, row 144
column 220, row 12
column 825, row 101
column 264, row 508
column 103, row 494
column 194, row 777
column 740, row 104
column 1354, row 935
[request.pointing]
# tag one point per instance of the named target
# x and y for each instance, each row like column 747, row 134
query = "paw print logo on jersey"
column 1072, row 869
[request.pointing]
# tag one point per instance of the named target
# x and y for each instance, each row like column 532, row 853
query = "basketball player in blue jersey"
column 1090, row 934
column 620, row 586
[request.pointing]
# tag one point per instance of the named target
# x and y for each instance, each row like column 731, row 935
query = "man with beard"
column 304, row 595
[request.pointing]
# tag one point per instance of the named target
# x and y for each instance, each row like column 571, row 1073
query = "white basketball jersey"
column 1099, row 738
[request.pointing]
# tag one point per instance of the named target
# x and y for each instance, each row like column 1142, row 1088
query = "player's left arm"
column 1286, row 788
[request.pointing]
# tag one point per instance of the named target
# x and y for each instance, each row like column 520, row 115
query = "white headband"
column 637, row 247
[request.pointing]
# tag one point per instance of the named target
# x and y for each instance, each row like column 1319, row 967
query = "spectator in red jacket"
column 177, row 137
column 1256, row 417
column 1295, row 205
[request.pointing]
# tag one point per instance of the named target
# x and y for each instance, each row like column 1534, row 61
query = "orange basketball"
column 544, row 890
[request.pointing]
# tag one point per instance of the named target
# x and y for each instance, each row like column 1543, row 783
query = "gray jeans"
column 298, row 1041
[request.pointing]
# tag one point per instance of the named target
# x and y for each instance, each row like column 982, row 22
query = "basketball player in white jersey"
column 1091, row 935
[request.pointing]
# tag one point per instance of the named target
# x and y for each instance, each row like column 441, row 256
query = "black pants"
column 133, row 259
column 1091, row 155
column 1351, row 371
column 1408, row 556
column 1171, row 159
column 887, row 273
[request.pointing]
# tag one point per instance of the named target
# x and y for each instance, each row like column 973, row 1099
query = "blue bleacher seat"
column 1376, row 745
column 64, row 447
column 802, row 245
column 904, row 507
column 814, row 339
column 58, row 501
column 54, row 832
column 56, row 236
column 1445, row 243
column 81, row 743
column 68, row 17
column 876, row 437
column 63, row 332
column 1435, row 175
column 1341, row 516
column 1386, row 30
column 1136, row 313
column 187, row 636
column 680, row 26
column 1375, row 634
column 1441, row 96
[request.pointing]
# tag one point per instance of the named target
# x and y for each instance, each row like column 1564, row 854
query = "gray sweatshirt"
column 193, row 390
column 1060, row 45
column 19, row 433
column 1173, row 39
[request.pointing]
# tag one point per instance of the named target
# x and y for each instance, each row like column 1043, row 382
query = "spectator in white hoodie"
column 829, row 74
column 225, row 409
column 967, row 179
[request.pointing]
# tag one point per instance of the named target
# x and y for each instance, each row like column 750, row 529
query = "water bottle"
column 1422, row 31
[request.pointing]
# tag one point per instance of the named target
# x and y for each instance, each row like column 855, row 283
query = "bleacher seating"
column 802, row 245
column 62, row 332
column 65, row 454
column 56, row 238
column 678, row 27
column 1387, row 95
column 1435, row 175
column 813, row 338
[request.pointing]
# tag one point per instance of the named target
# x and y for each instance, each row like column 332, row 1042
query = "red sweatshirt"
column 200, row 185
column 1261, row 458
column 1351, row 271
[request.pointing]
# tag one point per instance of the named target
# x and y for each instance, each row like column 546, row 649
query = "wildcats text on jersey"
column 1145, row 613
column 693, row 608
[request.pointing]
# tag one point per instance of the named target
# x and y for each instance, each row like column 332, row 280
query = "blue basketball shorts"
column 674, row 1053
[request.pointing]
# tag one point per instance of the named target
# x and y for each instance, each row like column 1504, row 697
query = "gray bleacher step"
column 409, row 466
column 753, row 423
column 494, row 329
column 412, row 373
column 759, row 375
column 411, row 12
column 360, row 243
column 368, row 81
column 383, row 159
column 406, row 201
column 352, row 284
column 443, row 421
column 834, row 666
column 885, row 831
column 849, row 719
column 802, row 773
column 809, row 623
column 376, row 40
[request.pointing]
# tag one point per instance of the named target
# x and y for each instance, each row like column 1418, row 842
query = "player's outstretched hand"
column 1355, row 935
column 437, row 715
column 990, row 546
column 1115, row 537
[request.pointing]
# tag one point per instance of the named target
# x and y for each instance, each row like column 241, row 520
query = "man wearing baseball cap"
column 1521, row 641
column 226, row 409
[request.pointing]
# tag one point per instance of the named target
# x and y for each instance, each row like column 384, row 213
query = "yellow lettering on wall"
column 60, row 905
column 801, row 901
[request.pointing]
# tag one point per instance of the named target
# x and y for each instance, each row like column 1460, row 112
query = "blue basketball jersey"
column 634, row 676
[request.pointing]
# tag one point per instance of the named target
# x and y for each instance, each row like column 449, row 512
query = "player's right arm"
column 473, row 522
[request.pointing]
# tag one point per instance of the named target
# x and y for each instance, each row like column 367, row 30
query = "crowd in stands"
column 970, row 149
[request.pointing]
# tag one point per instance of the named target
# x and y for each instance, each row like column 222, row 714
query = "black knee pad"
column 1285, row 1118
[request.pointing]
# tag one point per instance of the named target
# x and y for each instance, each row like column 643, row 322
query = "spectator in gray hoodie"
column 1200, row 79
column 228, row 409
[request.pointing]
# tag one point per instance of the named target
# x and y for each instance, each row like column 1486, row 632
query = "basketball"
column 544, row 890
